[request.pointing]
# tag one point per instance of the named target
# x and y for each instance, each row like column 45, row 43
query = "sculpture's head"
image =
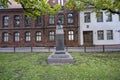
column 59, row 22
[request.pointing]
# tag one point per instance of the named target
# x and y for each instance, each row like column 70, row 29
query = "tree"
column 112, row 6
column 34, row 8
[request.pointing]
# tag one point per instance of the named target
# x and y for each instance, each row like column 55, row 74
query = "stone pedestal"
column 58, row 59
column 60, row 56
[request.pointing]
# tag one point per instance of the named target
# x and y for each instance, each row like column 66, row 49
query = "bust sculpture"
column 59, row 28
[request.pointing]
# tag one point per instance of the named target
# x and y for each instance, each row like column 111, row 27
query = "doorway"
column 88, row 38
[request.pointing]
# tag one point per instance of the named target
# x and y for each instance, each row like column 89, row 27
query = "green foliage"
column 33, row 66
column 108, row 5
column 34, row 8
column 4, row 3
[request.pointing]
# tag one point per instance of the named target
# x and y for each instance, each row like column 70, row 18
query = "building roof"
column 14, row 4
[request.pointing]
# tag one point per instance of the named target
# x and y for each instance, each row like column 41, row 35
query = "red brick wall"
column 45, row 29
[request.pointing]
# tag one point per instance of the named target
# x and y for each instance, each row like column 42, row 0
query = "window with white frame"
column 87, row 17
column 70, row 35
column 100, row 17
column 109, row 34
column 109, row 17
column 61, row 18
column 16, row 36
column 51, row 36
column 70, row 18
column 16, row 20
column 100, row 34
column 51, row 19
column 27, row 37
column 5, row 37
column 5, row 21
column 38, row 36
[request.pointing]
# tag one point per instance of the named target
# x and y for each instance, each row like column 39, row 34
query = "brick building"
column 16, row 29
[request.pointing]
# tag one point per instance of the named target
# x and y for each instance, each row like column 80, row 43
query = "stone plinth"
column 58, row 59
column 60, row 56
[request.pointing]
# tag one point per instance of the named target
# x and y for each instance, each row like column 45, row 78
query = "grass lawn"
column 33, row 66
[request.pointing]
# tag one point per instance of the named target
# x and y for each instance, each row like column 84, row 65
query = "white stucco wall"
column 95, row 26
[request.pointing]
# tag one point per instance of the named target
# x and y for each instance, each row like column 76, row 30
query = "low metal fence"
column 103, row 48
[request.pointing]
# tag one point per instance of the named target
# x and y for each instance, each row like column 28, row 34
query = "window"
column 38, row 36
column 27, row 21
column 119, row 17
column 61, row 2
column 70, row 35
column 109, row 17
column 61, row 18
column 70, row 18
column 100, row 34
column 51, row 19
column 38, row 21
column 5, row 21
column 5, row 37
column 87, row 17
column 16, row 37
column 109, row 35
column 51, row 36
column 100, row 17
column 27, row 36
column 16, row 20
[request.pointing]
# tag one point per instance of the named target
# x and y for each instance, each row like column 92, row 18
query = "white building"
column 102, row 30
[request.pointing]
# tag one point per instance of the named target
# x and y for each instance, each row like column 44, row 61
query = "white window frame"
column 71, row 35
column 5, row 21
column 51, row 36
column 27, row 36
column 38, row 36
column 5, row 37
column 16, row 36
column 100, row 34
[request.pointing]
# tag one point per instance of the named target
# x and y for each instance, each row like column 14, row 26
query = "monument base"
column 57, row 59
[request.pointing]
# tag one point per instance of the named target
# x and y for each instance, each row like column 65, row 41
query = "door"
column 88, row 38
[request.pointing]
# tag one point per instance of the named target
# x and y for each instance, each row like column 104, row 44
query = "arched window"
column 51, row 19
column 38, row 21
column 5, row 21
column 61, row 18
column 16, row 21
column 70, row 18
column 27, row 21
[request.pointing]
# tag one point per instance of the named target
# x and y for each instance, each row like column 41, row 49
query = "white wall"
column 95, row 26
